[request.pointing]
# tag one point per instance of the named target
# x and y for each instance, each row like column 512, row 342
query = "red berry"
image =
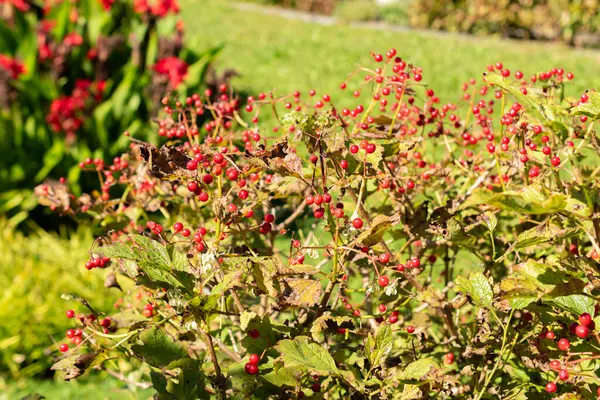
column 253, row 359
column 178, row 227
column 449, row 358
column 550, row 387
column 564, row 344
column 254, row 333
column 585, row 319
column 383, row 281
column 384, row 257
column 63, row 348
column 410, row 329
column 251, row 369
column 563, row 375
column 582, row 331
column 70, row 313
column 357, row 223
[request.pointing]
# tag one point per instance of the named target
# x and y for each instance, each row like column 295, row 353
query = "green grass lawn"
column 88, row 388
column 272, row 52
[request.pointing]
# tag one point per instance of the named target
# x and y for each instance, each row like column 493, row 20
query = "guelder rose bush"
column 402, row 248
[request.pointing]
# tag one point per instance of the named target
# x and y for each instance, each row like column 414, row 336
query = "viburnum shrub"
column 401, row 248
column 75, row 74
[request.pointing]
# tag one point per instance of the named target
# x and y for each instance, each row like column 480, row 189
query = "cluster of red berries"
column 581, row 329
column 97, row 262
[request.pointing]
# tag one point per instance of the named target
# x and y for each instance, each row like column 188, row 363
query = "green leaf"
column 117, row 250
column 309, row 356
column 159, row 349
column 590, row 108
column 574, row 303
column 457, row 234
column 376, row 230
column 532, row 104
column 52, row 158
column 532, row 199
column 76, row 365
column 245, row 319
column 544, row 233
column 417, row 370
column 411, row 392
column 490, row 220
column 377, row 348
column 477, row 288
column 284, row 376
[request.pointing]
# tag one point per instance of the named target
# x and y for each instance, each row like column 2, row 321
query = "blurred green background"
column 269, row 52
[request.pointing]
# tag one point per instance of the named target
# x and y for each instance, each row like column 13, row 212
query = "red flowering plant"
column 75, row 74
column 402, row 248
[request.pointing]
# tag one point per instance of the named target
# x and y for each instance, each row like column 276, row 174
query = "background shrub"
column 75, row 75
column 34, row 271
column 572, row 21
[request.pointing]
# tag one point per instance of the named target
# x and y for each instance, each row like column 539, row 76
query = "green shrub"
column 572, row 21
column 34, row 271
column 356, row 11
column 75, row 75
column 395, row 13
column 403, row 247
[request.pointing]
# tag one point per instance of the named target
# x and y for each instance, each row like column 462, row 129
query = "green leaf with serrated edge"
column 417, row 370
column 410, row 392
column 263, row 270
column 117, row 250
column 76, row 365
column 520, row 302
column 284, row 376
column 490, row 220
column 532, row 106
column 591, row 108
column 320, row 324
column 240, row 380
column 245, row 319
column 310, row 356
column 159, row 255
column 376, row 230
column 456, row 234
column 574, row 303
column 532, row 199
column 377, row 348
column 477, row 288
column 159, row 349
column 544, row 233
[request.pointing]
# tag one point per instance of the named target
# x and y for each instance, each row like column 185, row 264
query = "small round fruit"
column 251, row 369
column 63, row 348
column 383, row 281
column 585, row 319
column 70, row 313
column 410, row 329
column 449, row 358
column 357, row 223
column 384, row 257
column 254, row 359
column 254, row 333
column 582, row 331
column 563, row 375
column 550, row 387
column 564, row 344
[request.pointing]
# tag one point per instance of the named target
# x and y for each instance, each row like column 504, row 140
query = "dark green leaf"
column 158, row 348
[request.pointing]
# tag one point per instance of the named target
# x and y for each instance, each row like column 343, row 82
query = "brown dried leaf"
column 167, row 163
column 300, row 292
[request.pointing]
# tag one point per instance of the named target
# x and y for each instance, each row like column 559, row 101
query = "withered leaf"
column 279, row 157
column 167, row 163
column 73, row 366
column 300, row 292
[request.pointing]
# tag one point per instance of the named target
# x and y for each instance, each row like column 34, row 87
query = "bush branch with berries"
column 402, row 248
